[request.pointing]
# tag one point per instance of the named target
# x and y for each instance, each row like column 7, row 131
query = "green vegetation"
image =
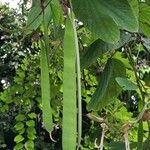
column 75, row 75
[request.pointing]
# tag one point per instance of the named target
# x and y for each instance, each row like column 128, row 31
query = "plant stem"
column 78, row 85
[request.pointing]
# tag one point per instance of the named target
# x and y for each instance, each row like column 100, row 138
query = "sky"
column 12, row 3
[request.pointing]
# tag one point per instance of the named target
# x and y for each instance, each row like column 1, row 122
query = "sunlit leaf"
column 19, row 138
column 19, row 126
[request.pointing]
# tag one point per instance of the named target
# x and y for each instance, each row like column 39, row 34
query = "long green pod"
column 45, row 89
column 69, row 89
column 45, row 79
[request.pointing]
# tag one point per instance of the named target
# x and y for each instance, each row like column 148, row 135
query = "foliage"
column 47, row 102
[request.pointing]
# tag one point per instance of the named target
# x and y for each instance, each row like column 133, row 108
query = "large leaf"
column 100, row 47
column 104, row 18
column 95, row 20
column 145, row 19
column 107, row 89
column 35, row 16
column 135, row 7
column 69, row 89
column 121, row 12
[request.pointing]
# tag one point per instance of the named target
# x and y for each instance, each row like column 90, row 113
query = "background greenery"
column 114, row 44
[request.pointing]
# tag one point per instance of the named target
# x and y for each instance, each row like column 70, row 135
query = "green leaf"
column 145, row 19
column 22, row 131
column 29, row 145
column 31, row 133
column 18, row 146
column 32, row 115
column 95, row 20
column 19, row 126
column 107, row 89
column 135, row 8
column 34, row 17
column 31, row 130
column 105, row 18
column 99, row 47
column 47, row 14
column 146, row 43
column 30, row 123
column 121, row 12
column 126, row 84
column 123, row 115
column 31, row 136
column 19, row 138
column 69, row 89
column 20, row 117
